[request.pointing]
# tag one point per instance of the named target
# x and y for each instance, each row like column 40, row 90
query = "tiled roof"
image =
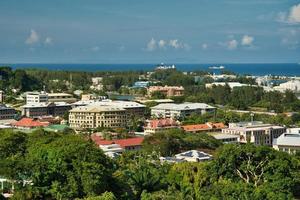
column 29, row 122
column 207, row 126
column 196, row 127
column 156, row 123
column 137, row 141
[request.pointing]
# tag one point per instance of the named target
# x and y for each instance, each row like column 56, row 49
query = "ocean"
column 282, row 69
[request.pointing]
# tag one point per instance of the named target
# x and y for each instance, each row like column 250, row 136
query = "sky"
column 149, row 31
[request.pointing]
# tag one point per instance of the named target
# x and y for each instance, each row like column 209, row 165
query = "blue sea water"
column 284, row 69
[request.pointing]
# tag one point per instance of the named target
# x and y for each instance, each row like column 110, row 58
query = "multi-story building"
column 169, row 91
column 134, row 109
column 36, row 97
column 288, row 142
column 6, row 112
column 158, row 125
column 172, row 110
column 45, row 109
column 43, row 97
column 94, row 116
column 255, row 132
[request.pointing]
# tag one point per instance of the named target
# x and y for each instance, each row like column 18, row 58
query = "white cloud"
column 32, row 38
column 95, row 48
column 292, row 17
column 232, row 44
column 247, row 40
column 48, row 41
column 204, row 46
column 175, row 44
column 162, row 44
column 151, row 46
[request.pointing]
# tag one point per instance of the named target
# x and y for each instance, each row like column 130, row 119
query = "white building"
column 230, row 84
column 36, row 97
column 293, row 85
column 134, row 108
column 172, row 110
column 227, row 138
column 288, row 142
column 43, row 97
column 255, row 132
column 194, row 156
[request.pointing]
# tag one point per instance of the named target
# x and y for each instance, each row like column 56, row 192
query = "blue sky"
column 140, row 31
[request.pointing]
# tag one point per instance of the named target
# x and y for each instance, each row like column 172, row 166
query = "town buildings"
column 255, row 132
column 6, row 112
column 230, row 84
column 134, row 109
column 169, row 91
column 288, row 142
column 141, row 84
column 293, row 85
column 29, row 123
column 207, row 127
column 94, row 116
column 43, row 97
column 226, row 138
column 157, row 125
column 36, row 97
column 45, row 109
column 175, row 111
column 194, row 156
column 126, row 144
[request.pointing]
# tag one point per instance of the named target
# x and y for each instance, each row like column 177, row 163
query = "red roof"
column 137, row 141
column 30, row 123
column 203, row 127
column 156, row 123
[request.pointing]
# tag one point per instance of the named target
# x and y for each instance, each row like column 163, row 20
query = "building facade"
column 6, row 112
column 288, row 142
column 159, row 125
column 36, row 97
column 45, row 109
column 255, row 132
column 169, row 91
column 175, row 111
column 93, row 116
column 61, row 97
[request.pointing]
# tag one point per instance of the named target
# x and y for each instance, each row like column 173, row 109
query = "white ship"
column 162, row 66
column 216, row 67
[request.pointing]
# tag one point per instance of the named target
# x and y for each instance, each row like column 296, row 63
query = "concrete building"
column 255, row 132
column 61, row 97
column 169, row 91
column 159, row 125
column 172, row 110
column 134, row 109
column 43, row 97
column 6, row 112
column 45, row 109
column 288, row 142
column 230, row 84
column 226, row 138
column 36, row 97
column 94, row 116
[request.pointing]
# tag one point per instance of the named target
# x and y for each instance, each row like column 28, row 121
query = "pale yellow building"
column 94, row 116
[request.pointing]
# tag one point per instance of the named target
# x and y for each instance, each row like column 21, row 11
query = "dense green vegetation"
column 66, row 166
